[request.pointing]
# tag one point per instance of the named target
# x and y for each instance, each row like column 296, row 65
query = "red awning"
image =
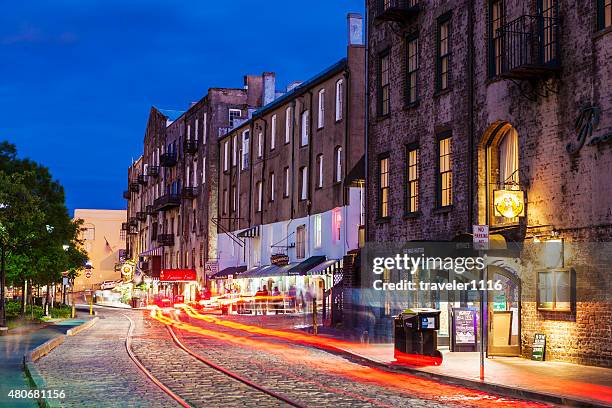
column 178, row 275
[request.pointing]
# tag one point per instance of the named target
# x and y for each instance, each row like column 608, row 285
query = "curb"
column 505, row 390
column 31, row 372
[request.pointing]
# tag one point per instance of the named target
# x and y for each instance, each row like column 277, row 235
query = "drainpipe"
column 366, row 124
column 346, row 150
column 263, row 169
column 309, row 173
column 471, row 172
column 292, row 173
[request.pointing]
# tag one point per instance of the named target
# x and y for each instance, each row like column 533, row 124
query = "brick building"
column 291, row 182
column 474, row 103
column 172, row 196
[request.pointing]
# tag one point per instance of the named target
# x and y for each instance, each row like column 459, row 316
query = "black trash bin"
column 416, row 339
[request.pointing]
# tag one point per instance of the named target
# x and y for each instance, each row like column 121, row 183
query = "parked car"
column 108, row 285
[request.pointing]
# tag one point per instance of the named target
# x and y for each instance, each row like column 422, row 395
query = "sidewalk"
column 14, row 345
column 553, row 381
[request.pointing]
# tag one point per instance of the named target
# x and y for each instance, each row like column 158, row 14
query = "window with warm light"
column 443, row 53
column 383, row 183
column 413, row 179
column 412, row 69
column 503, row 176
column 496, row 20
column 445, row 172
column 337, row 224
column 555, row 290
column 604, row 14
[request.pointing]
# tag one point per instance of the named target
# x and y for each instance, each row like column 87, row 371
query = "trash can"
column 416, row 339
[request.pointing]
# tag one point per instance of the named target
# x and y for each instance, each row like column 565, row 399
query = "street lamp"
column 3, row 327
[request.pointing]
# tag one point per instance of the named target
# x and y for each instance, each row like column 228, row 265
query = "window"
column 413, row 180
column 321, row 112
column 225, row 156
column 203, row 170
column 197, row 133
column 338, row 172
column 287, row 180
column 272, row 186
column 604, row 14
column 336, row 224
column 233, row 115
column 445, row 173
column 188, row 132
column 89, row 233
column 234, row 199
column 303, row 183
column 305, row 128
column 443, row 60
column 317, row 231
column 555, row 290
column 503, row 169
column 384, row 102
column 496, row 20
column 259, row 144
column 320, row 171
column 245, row 149
column 225, row 202
column 204, row 130
column 259, row 196
column 383, row 183
column 412, row 69
column 339, row 99
column 273, row 133
column 234, row 149
column 195, row 173
column 288, row 124
column 201, row 254
column 300, row 242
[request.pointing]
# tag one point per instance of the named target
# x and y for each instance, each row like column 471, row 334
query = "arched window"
column 502, row 171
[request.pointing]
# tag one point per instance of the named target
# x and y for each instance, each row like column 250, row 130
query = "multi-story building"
column 291, row 182
column 498, row 113
column 173, row 187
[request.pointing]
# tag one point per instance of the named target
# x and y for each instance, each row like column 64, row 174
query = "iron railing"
column 189, row 193
column 396, row 10
column 153, row 171
column 167, row 160
column 191, row 146
column 529, row 47
column 165, row 239
column 167, row 201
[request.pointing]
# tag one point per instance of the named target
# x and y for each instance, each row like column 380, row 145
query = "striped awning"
column 267, row 271
column 232, row 270
column 252, row 232
column 326, row 268
column 157, row 251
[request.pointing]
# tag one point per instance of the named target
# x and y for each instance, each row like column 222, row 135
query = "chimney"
column 355, row 29
column 254, row 89
column 269, row 87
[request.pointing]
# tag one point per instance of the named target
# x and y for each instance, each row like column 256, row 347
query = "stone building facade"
column 472, row 102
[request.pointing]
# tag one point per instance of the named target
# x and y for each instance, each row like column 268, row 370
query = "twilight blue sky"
column 77, row 77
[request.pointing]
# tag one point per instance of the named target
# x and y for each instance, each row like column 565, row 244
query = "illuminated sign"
column 279, row 259
column 177, row 275
column 509, row 203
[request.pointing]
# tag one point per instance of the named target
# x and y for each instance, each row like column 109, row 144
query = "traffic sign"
column 88, row 274
column 481, row 236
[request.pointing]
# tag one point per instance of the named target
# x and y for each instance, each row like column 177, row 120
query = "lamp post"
column 3, row 327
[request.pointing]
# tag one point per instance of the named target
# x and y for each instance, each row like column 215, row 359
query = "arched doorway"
column 504, row 313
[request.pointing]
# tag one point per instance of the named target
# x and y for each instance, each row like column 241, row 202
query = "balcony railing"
column 165, row 239
column 397, row 10
column 133, row 221
column 125, row 226
column 529, row 47
column 150, row 210
column 191, row 146
column 129, row 228
column 142, row 180
column 141, row 216
column 153, row 171
column 189, row 193
column 134, row 187
column 167, row 202
column 127, row 194
column 167, row 160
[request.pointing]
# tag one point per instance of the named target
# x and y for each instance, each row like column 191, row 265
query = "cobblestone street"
column 94, row 369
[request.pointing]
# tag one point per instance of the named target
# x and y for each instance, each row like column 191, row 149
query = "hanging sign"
column 509, row 203
column 539, row 347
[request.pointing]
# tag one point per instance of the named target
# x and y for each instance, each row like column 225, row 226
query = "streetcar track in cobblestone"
column 230, row 373
column 128, row 347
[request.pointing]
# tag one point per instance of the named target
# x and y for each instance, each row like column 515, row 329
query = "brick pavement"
column 95, row 370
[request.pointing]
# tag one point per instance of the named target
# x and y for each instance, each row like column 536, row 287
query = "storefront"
column 179, row 285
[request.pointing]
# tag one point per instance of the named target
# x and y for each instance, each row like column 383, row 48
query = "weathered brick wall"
column 565, row 193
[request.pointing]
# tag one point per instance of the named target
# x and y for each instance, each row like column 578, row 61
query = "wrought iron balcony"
column 189, row 193
column 167, row 202
column 191, row 146
column 167, row 160
column 133, row 221
column 126, row 194
column 129, row 228
column 165, row 239
column 134, row 187
column 150, row 210
column 529, row 47
column 141, row 216
column 125, row 226
column 397, row 10
column 142, row 180
column 153, row 171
